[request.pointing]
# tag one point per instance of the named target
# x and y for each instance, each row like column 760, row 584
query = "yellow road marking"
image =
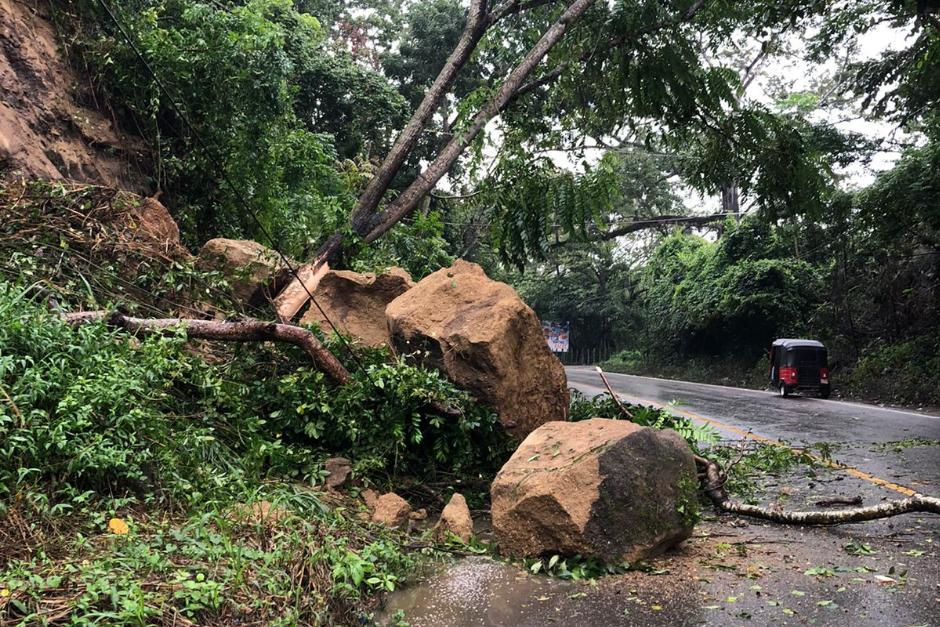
column 854, row 472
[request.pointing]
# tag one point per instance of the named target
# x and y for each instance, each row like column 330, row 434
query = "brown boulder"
column 455, row 519
column 604, row 488
column 156, row 222
column 252, row 270
column 337, row 470
column 356, row 303
column 391, row 510
column 486, row 340
column 370, row 497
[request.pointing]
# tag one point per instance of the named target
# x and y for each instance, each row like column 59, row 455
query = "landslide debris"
column 486, row 340
column 602, row 488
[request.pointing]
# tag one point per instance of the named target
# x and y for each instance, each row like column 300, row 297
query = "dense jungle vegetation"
column 629, row 182
column 571, row 195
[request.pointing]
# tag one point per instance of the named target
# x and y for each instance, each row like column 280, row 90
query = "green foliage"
column 584, row 408
column 748, row 462
column 88, row 412
column 219, row 566
column 417, row 245
column 726, row 297
column 589, row 286
column 261, row 87
column 384, row 419
column 904, row 372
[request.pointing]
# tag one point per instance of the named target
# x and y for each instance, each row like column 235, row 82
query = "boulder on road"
column 356, row 303
column 604, row 488
column 486, row 340
column 252, row 270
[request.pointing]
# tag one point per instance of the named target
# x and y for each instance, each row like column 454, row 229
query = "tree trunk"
column 237, row 331
column 407, row 200
column 371, row 224
column 477, row 24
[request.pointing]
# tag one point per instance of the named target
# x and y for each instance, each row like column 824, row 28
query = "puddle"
column 474, row 591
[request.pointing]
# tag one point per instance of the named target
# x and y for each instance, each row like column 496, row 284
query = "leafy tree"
column 589, row 286
column 264, row 88
column 730, row 297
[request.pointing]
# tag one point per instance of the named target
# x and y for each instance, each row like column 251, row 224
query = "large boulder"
column 253, row 271
column 486, row 340
column 356, row 303
column 603, row 488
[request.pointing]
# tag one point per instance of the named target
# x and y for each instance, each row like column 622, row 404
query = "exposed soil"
column 44, row 130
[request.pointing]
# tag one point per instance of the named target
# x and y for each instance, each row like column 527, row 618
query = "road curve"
column 855, row 428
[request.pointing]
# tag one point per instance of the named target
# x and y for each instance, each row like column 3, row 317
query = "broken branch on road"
column 714, row 479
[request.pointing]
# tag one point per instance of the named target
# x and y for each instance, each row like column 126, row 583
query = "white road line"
column 587, row 370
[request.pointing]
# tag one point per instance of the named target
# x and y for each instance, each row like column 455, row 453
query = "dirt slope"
column 44, row 131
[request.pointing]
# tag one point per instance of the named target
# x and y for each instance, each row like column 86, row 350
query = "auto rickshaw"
column 799, row 365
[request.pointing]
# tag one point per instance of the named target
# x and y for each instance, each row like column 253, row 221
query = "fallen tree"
column 244, row 330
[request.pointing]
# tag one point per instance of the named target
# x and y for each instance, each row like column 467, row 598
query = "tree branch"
column 236, row 331
column 426, row 181
column 514, row 7
column 616, row 399
column 649, row 223
column 713, row 481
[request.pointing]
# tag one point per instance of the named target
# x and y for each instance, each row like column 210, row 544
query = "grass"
column 714, row 370
column 286, row 562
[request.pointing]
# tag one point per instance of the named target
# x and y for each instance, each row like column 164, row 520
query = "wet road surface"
column 855, row 429
column 736, row 571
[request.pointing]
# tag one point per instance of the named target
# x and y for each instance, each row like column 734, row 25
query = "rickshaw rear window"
column 806, row 356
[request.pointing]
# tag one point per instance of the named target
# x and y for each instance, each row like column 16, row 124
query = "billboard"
column 556, row 334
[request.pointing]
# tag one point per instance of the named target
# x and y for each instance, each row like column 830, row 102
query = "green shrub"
column 89, row 411
column 904, row 372
column 602, row 406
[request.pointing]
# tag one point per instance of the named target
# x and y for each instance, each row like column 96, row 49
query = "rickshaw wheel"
column 784, row 392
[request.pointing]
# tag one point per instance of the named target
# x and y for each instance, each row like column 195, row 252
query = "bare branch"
column 650, row 223
column 236, row 331
column 713, row 484
column 620, row 406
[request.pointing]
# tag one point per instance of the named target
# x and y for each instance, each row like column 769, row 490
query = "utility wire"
column 216, row 162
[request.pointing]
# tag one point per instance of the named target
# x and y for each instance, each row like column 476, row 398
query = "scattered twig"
column 623, row 410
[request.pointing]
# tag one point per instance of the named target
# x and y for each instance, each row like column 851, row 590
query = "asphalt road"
column 856, row 429
column 737, row 571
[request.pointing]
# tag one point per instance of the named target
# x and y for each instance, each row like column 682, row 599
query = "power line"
column 216, row 162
